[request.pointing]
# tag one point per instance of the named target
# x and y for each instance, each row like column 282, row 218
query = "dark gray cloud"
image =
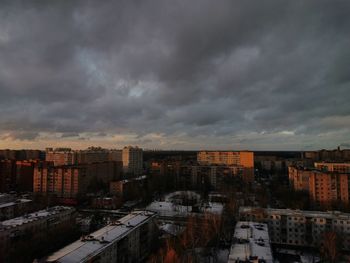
column 170, row 74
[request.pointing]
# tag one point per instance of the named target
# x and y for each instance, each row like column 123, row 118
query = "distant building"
column 17, row 175
column 115, row 155
column 7, row 175
column 328, row 155
column 21, row 155
column 251, row 242
column 132, row 161
column 243, row 159
column 215, row 175
column 300, row 228
column 128, row 189
column 69, row 181
column 60, row 156
column 127, row 240
column 67, row 156
column 30, row 226
column 25, row 175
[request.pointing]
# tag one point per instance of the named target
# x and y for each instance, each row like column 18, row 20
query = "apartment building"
column 328, row 155
column 60, row 156
column 15, row 207
column 128, row 239
column 300, row 228
column 132, row 161
column 67, row 156
column 129, row 188
column 333, row 167
column 324, row 187
column 250, row 242
column 69, row 181
column 243, row 159
column 21, row 155
column 29, row 226
column 214, row 174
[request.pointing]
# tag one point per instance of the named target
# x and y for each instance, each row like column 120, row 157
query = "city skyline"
column 167, row 75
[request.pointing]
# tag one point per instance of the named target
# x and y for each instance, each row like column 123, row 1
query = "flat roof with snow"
column 291, row 212
column 33, row 216
column 251, row 242
column 83, row 250
column 16, row 202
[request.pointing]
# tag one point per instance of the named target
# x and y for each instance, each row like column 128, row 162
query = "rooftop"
column 328, row 214
column 251, row 241
column 18, row 201
column 33, row 216
column 84, row 249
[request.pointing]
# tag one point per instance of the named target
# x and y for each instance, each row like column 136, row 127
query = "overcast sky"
column 175, row 74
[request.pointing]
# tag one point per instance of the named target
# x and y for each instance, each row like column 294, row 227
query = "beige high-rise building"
column 243, row 159
column 132, row 160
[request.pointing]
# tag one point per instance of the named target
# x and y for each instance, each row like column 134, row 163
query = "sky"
column 174, row 74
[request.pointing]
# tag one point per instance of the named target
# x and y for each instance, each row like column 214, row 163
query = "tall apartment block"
column 68, row 181
column 243, row 159
column 300, row 228
column 60, row 156
column 127, row 240
column 132, row 161
column 67, row 156
column 324, row 186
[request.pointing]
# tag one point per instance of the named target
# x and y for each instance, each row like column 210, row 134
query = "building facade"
column 300, row 228
column 29, row 226
column 15, row 207
column 69, row 181
column 132, row 161
column 324, row 186
column 242, row 159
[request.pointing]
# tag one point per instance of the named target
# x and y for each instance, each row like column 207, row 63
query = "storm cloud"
column 175, row 74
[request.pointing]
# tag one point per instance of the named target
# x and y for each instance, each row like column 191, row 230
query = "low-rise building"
column 15, row 208
column 300, row 228
column 127, row 240
column 251, row 243
column 29, row 226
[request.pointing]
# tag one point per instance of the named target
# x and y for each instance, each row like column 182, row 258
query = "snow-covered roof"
column 83, row 250
column 251, row 240
column 18, row 201
column 33, row 216
column 291, row 212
